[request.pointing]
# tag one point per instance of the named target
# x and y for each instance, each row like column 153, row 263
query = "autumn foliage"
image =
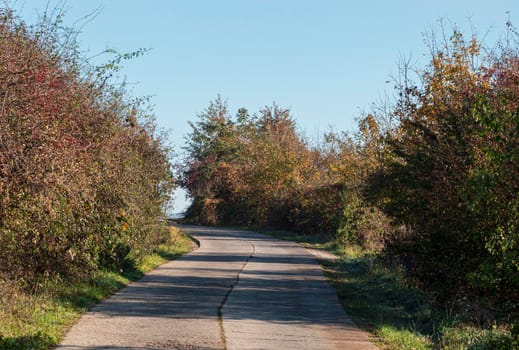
column 83, row 174
column 430, row 180
column 257, row 170
column 449, row 180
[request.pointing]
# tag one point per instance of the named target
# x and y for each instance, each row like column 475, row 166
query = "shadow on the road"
column 183, row 297
column 270, row 259
column 151, row 347
column 274, row 287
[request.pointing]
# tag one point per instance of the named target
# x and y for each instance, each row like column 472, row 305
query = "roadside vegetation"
column 38, row 320
column 85, row 178
column 377, row 295
column 421, row 203
column 427, row 188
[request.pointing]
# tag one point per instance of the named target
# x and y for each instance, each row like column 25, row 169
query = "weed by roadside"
column 39, row 320
column 379, row 298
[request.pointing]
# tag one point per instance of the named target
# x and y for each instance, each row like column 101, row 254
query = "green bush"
column 449, row 179
column 84, row 174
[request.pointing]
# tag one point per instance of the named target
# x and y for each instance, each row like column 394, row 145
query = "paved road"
column 239, row 290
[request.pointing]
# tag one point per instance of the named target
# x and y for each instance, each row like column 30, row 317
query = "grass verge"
column 377, row 296
column 39, row 321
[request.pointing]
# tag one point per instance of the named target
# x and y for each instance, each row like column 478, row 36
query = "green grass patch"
column 474, row 338
column 379, row 298
column 403, row 339
column 39, row 321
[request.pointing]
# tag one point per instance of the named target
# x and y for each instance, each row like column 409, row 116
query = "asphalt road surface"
column 239, row 290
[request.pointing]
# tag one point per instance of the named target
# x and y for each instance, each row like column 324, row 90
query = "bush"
column 449, row 180
column 84, row 175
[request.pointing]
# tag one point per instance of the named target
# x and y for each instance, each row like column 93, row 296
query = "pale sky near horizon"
column 326, row 60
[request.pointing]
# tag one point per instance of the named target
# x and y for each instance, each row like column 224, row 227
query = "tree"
column 208, row 175
column 442, row 163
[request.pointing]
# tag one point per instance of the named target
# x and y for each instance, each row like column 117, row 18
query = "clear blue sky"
column 325, row 60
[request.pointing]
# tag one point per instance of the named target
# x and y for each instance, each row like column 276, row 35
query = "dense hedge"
column 83, row 174
column 450, row 172
column 432, row 178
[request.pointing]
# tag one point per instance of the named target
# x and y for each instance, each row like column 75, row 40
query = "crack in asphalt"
column 222, row 304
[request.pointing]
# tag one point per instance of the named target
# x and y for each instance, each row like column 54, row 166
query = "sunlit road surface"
column 239, row 290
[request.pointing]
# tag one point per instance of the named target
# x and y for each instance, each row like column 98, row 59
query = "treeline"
column 431, row 180
column 256, row 170
column 84, row 175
